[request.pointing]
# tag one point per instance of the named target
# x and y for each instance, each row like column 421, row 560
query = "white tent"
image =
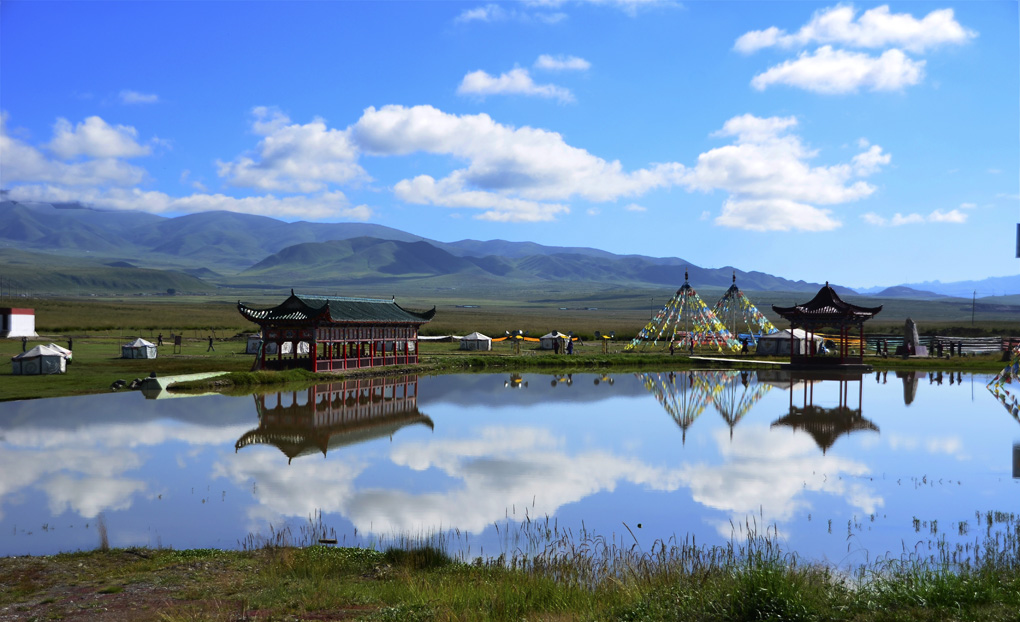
column 254, row 343
column 62, row 350
column 550, row 338
column 138, row 349
column 778, row 344
column 475, row 341
column 39, row 360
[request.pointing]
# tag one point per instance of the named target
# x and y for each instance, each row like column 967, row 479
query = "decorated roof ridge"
column 336, row 309
column 827, row 301
column 392, row 300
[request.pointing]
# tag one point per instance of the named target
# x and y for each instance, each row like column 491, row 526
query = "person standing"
column 159, row 339
column 24, row 343
column 211, row 348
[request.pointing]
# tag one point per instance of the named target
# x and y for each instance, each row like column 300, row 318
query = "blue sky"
column 863, row 144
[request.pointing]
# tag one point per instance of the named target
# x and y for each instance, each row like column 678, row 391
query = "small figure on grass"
column 210, row 348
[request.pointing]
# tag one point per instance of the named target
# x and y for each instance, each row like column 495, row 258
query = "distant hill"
column 993, row 286
column 243, row 250
column 901, row 291
column 361, row 259
column 49, row 274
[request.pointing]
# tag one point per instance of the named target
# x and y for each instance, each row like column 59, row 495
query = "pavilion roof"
column 336, row 309
column 827, row 306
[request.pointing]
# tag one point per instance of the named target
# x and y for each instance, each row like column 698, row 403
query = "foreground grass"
column 570, row 577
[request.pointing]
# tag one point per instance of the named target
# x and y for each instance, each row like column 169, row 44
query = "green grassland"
column 99, row 326
column 554, row 575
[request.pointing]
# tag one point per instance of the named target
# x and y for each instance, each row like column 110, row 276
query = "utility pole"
column 973, row 303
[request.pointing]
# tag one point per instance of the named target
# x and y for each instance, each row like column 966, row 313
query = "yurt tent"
column 778, row 344
column 138, row 349
column 254, row 343
column 62, row 350
column 475, row 341
column 39, row 360
column 548, row 340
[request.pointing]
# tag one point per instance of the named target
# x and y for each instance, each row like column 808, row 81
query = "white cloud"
column 831, row 71
column 487, row 13
column 134, row 97
column 327, row 205
column 770, row 183
column 953, row 216
column 907, row 219
column 634, row 207
column 536, row 10
column 21, row 163
column 775, row 215
column 512, row 173
column 968, row 205
column 294, row 158
column 95, row 138
column 876, row 28
column 870, row 161
column 449, row 192
column 562, row 63
column 517, row 81
column 495, row 13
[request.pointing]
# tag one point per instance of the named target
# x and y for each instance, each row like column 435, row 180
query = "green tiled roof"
column 336, row 309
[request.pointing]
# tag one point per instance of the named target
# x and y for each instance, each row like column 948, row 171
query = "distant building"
column 17, row 323
column 326, row 333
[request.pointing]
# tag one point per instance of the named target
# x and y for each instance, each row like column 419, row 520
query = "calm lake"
column 842, row 471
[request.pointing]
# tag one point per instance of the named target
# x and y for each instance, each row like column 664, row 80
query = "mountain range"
column 70, row 245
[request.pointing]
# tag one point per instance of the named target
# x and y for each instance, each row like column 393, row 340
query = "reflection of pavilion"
column 335, row 415
column 826, row 424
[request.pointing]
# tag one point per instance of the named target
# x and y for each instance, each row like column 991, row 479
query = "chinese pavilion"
column 326, row 333
column 827, row 310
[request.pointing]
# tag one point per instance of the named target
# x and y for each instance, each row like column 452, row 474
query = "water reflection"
column 591, row 448
column 684, row 396
column 330, row 416
column 827, row 423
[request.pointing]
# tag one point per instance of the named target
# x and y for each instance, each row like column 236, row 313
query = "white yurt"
column 475, row 341
column 549, row 339
column 254, row 343
column 39, row 360
column 138, row 349
column 778, row 344
column 62, row 350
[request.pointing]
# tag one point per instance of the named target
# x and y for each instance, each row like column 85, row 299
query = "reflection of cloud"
column 501, row 469
column 90, row 495
column 299, row 489
column 50, row 471
column 769, row 473
column 950, row 445
column 83, row 468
